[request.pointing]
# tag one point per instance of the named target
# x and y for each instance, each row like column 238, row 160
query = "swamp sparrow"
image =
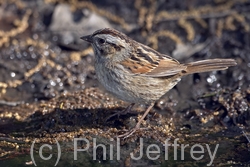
column 138, row 74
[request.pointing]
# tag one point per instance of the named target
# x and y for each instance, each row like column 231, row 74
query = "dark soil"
column 48, row 87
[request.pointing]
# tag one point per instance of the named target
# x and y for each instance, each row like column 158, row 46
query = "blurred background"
column 48, row 87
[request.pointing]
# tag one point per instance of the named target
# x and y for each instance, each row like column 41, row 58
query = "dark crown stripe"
column 112, row 32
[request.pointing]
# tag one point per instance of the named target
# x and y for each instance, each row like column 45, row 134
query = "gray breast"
column 136, row 88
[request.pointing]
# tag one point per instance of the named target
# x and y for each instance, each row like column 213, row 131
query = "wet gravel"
column 48, row 87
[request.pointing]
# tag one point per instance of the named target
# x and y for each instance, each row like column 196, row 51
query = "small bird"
column 137, row 73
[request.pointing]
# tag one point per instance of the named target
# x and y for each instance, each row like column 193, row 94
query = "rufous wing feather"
column 149, row 62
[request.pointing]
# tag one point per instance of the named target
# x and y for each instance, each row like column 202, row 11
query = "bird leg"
column 122, row 112
column 137, row 126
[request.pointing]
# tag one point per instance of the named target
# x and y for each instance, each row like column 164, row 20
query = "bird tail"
column 208, row 65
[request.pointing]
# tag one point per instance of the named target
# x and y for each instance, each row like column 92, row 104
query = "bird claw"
column 129, row 133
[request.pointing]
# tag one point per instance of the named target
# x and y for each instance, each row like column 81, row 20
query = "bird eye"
column 101, row 41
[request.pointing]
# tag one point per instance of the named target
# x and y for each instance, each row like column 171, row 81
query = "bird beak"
column 87, row 38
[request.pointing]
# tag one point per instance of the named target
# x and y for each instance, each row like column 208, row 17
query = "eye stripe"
column 117, row 47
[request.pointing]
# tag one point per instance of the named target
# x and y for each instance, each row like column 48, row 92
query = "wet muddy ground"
column 48, row 87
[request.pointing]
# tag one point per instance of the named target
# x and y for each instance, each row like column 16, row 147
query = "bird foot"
column 123, row 112
column 137, row 127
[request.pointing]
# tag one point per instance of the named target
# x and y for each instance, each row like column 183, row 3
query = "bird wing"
column 149, row 62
